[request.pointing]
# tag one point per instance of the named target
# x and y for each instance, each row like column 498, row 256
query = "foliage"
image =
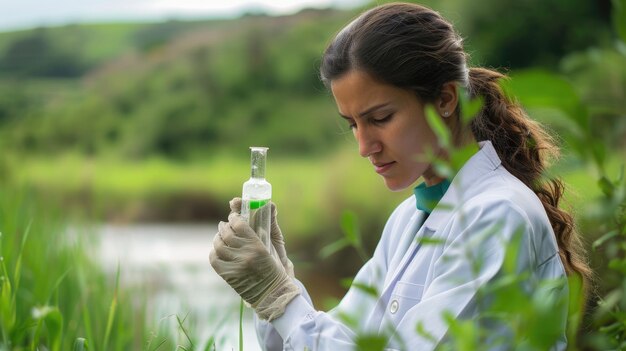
column 533, row 33
column 52, row 293
column 54, row 296
column 203, row 86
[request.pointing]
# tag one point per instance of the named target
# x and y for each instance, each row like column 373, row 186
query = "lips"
column 382, row 167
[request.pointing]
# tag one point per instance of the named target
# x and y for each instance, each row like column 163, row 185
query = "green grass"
column 54, row 296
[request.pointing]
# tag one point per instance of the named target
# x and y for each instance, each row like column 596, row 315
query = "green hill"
column 175, row 88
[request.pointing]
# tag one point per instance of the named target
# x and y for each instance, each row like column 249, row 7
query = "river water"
column 170, row 264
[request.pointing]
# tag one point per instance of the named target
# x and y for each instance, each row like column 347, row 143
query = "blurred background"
column 125, row 127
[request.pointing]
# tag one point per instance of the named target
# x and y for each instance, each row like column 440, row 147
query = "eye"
column 387, row 118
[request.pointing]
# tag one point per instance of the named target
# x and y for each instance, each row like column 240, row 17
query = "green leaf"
column 331, row 248
column 346, row 282
column 52, row 318
column 419, row 328
column 443, row 168
column 54, row 324
column 182, row 328
column 540, row 88
column 576, row 305
column 438, row 126
column 512, row 251
column 371, row 342
column 368, row 289
column 350, row 227
column 598, row 151
column 430, row 241
column 469, row 108
column 619, row 18
column 606, row 186
column 348, row 319
column 18, row 265
column 112, row 309
column 459, row 157
column 80, row 344
column 7, row 305
column 209, row 344
column 600, row 241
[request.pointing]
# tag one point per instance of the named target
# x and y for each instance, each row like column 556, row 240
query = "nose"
column 369, row 143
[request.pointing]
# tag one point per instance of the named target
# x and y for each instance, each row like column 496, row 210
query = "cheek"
column 415, row 141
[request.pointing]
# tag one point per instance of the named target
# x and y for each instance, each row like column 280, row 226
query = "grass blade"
column 180, row 324
column 112, row 309
column 241, row 325
column 80, row 344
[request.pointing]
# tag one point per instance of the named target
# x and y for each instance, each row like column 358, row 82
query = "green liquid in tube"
column 256, row 196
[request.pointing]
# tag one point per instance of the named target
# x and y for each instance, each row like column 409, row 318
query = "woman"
column 383, row 69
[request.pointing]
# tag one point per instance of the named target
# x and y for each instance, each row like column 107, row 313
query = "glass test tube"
column 256, row 196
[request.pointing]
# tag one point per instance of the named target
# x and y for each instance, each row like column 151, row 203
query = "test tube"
column 256, row 196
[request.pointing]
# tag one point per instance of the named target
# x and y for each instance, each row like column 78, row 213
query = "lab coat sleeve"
column 302, row 327
column 473, row 253
column 268, row 337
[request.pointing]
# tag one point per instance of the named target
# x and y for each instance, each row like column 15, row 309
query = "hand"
column 278, row 241
column 241, row 259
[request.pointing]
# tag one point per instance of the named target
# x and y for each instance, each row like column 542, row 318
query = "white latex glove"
column 276, row 235
column 241, row 259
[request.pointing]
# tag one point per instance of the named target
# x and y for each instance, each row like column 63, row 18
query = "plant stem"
column 241, row 325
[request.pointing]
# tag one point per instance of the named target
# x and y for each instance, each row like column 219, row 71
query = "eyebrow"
column 368, row 111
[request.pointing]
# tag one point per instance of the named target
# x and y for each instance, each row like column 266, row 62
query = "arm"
column 268, row 337
column 329, row 326
column 303, row 326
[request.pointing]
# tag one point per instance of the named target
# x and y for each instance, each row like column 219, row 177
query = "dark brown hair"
column 413, row 47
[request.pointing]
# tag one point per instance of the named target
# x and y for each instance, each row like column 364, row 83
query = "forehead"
column 357, row 90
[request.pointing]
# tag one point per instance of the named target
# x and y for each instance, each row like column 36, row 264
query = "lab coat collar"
column 482, row 162
column 478, row 166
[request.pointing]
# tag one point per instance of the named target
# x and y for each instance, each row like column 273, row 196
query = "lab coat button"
column 393, row 308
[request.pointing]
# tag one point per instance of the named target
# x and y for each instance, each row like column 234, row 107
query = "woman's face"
column 389, row 125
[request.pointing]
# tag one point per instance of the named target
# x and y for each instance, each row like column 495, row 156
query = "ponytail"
column 525, row 149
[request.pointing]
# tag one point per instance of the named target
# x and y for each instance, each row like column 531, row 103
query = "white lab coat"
column 416, row 282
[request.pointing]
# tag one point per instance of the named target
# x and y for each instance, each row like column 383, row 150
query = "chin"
column 401, row 183
column 395, row 185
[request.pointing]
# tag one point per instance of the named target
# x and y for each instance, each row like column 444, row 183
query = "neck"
column 431, row 178
column 462, row 139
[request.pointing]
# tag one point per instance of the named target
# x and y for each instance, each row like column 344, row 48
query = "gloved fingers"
column 217, row 263
column 222, row 250
column 223, row 266
column 274, row 214
column 235, row 205
column 226, row 236
column 241, row 227
column 276, row 233
column 233, row 216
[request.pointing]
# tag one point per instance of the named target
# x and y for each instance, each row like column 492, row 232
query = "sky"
column 23, row 14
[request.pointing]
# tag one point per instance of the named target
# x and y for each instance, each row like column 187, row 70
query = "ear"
column 448, row 100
